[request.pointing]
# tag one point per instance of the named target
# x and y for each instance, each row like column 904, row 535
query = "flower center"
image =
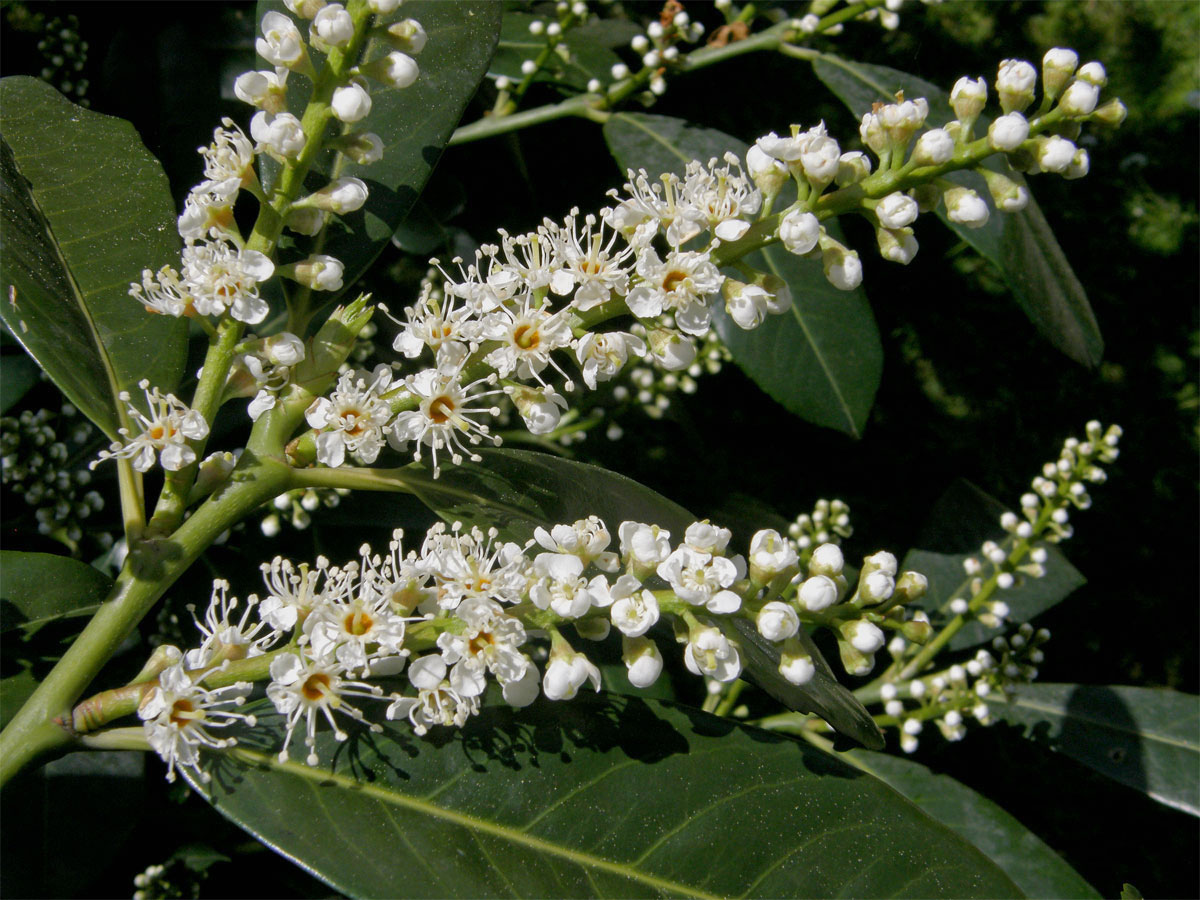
column 316, row 687
column 673, row 280
column 481, row 642
column 183, row 713
column 358, row 623
column 526, row 337
column 441, row 409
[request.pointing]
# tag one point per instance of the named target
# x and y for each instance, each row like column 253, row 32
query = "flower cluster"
column 464, row 608
column 163, row 432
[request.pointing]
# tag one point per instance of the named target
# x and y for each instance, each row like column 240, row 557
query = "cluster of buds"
column 912, row 159
column 828, row 523
column 463, row 608
column 963, row 691
column 296, row 508
column 658, row 49
column 219, row 274
column 555, row 51
column 35, row 464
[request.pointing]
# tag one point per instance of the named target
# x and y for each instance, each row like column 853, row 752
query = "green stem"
column 147, row 575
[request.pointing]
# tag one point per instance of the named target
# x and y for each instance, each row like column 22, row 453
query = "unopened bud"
column 1014, row 84
column 917, row 629
column 1093, row 73
column 799, row 232
column 671, row 349
column 1111, row 113
column 897, row 245
column 853, row 167
column 1006, row 194
column 842, row 267
column 965, row 207
column 363, row 148
column 967, row 98
column 351, row 103
column 1080, row 99
column 1058, row 65
column 398, row 70
column 343, row 195
column 933, row 148
column 1007, row 133
column 319, row 273
column 1054, row 153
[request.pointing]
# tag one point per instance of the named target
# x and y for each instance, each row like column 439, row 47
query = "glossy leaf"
column 414, row 123
column 15, row 689
column 36, row 588
column 1021, row 245
column 600, row 796
column 1037, row 870
column 86, row 208
column 1146, row 738
column 823, row 359
column 961, row 520
column 516, row 491
column 18, row 373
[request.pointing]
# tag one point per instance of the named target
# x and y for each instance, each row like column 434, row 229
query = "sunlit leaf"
column 85, row 209
column 601, row 796
column 1146, row 738
column 36, row 588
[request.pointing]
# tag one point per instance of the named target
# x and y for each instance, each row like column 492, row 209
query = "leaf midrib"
column 1135, row 731
column 471, row 823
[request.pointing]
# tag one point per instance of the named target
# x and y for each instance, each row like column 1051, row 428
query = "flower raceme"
column 466, row 607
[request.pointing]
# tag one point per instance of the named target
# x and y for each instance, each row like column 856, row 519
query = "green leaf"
column 1022, row 245
column 414, row 123
column 519, row 490
column 36, row 588
column 600, row 796
column 14, row 691
column 1037, row 870
column 1146, row 738
column 965, row 517
column 516, row 491
column 18, row 373
column 822, row 360
column 1129, row 892
column 85, row 209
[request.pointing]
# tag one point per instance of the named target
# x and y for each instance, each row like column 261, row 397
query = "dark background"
column 969, row 390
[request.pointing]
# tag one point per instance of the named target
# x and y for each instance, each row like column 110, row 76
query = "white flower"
column 351, row 102
column 777, row 621
column 281, row 43
column 602, row 355
column 528, row 334
column 703, row 580
column 224, row 639
column 306, row 689
column 966, row 207
column 705, row 537
column 331, row 26
column 749, row 304
column 473, row 565
column 682, row 283
column 279, row 134
column 819, row 159
column 162, row 292
column 1055, row 153
column 219, row 277
column 541, row 408
column 795, row 664
column 397, row 70
column 933, row 148
column 178, row 712
column 643, row 546
column 163, row 433
column 710, row 653
column 435, row 322
column 230, row 157
column 489, row 642
column 643, row 662
column 720, row 198
column 437, row 702
column 799, row 231
column 356, row 630
column 769, row 173
column 670, row 349
column 265, row 89
column 566, row 674
column 351, row 418
column 293, row 593
column 1007, row 133
column 319, row 272
column 770, row 554
column 1080, row 99
column 636, row 614
column 896, row 210
column 560, row 586
column 586, row 538
column 588, row 263
column 444, row 415
column 827, row 559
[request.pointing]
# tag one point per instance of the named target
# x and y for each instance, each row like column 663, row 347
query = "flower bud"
column 331, row 27
column 769, row 174
column 842, row 267
column 265, row 89
column 281, row 43
column 902, row 120
column 671, row 349
column 918, row 630
column 1080, row 99
column 771, row 555
column 319, row 272
column 306, row 220
column 853, row 167
column 854, row 660
column 642, row 659
column 967, row 98
column 280, row 134
column 795, row 663
column 1079, row 166
column 1006, row 194
column 896, row 210
column 873, row 134
column 540, row 408
column 1058, row 65
column 284, row 349
column 799, row 232
column 927, row 195
column 305, row 9
column 1054, row 153
column 407, row 36
column 820, row 160
column 396, row 70
column 1092, row 73
column 910, row 588
column 1111, row 113
column 363, row 148
column 965, row 207
column 351, row 103
column 1014, row 84
column 827, row 559
column 933, row 148
column 897, row 245
column 342, row 195
column 777, row 621
column 817, row 592
column 1007, row 133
